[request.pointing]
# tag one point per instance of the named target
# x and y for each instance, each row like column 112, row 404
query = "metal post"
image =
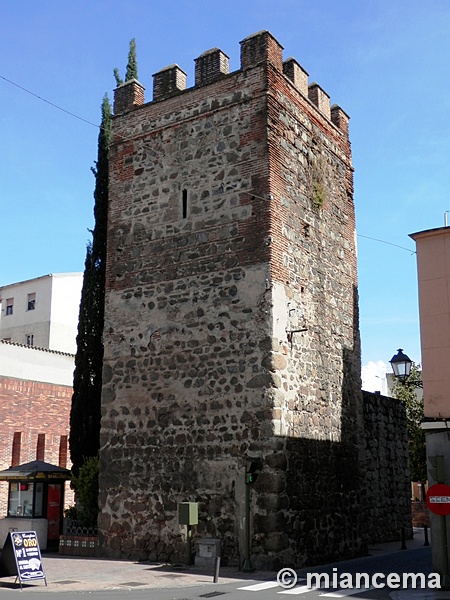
column 444, row 554
column 403, row 539
column 425, row 531
column 189, row 544
column 216, row 570
column 247, row 566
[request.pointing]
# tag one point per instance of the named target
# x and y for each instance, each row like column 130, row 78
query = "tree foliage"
column 117, row 76
column 132, row 70
column 86, row 493
column 85, row 411
column 406, row 391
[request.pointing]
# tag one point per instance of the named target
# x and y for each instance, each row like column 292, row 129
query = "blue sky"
column 385, row 63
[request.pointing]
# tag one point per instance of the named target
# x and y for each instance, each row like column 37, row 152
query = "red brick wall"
column 34, row 409
column 420, row 514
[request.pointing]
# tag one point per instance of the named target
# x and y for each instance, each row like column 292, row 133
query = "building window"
column 31, row 304
column 21, row 496
column 20, row 499
column 9, row 306
column 29, row 339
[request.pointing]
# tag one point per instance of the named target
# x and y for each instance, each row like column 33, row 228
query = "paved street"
column 73, row 577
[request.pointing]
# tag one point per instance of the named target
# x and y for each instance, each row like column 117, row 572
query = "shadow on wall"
column 322, row 500
column 314, row 500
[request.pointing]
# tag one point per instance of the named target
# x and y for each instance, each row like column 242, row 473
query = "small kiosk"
column 35, row 501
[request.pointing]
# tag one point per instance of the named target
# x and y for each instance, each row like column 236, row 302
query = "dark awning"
column 36, row 469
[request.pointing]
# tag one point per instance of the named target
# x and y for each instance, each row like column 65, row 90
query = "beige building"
column 433, row 265
column 42, row 312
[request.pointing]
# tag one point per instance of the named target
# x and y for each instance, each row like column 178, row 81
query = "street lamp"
column 401, row 364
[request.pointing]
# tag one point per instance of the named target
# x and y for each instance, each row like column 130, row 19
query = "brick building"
column 35, row 398
column 231, row 326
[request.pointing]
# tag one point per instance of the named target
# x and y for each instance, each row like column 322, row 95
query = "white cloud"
column 373, row 376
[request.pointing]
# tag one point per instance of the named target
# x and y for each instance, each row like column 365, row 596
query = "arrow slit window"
column 184, row 204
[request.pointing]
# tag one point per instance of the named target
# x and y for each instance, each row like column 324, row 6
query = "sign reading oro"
column 438, row 499
column 21, row 556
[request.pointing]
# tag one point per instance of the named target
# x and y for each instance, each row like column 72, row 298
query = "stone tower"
column 231, row 331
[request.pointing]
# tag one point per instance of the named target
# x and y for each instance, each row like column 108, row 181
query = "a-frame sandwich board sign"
column 21, row 556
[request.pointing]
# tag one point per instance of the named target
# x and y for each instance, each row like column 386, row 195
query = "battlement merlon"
column 340, row 118
column 211, row 66
column 256, row 49
column 320, row 98
column 297, row 74
column 128, row 95
column 168, row 82
column 261, row 47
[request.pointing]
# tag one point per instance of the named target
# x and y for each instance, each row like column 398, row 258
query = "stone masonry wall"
column 231, row 326
column 387, row 480
column 184, row 317
column 315, row 345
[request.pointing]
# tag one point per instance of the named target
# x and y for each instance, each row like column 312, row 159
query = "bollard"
column 425, row 531
column 403, row 539
column 216, row 569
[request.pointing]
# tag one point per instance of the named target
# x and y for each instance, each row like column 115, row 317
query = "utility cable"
column 48, row 102
column 384, row 242
column 126, row 139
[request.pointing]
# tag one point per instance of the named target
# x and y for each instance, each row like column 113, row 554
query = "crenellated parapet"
column 213, row 65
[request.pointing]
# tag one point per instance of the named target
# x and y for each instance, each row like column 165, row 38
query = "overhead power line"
column 384, row 242
column 125, row 139
column 48, row 101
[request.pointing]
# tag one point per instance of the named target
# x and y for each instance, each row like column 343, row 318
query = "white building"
column 36, row 364
column 42, row 312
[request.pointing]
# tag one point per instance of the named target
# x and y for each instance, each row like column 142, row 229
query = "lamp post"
column 401, row 365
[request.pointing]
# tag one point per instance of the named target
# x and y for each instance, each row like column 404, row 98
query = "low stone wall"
column 387, row 482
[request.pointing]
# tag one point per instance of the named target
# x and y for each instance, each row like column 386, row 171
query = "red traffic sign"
column 438, row 499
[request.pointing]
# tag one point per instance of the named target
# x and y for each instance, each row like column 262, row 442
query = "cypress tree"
column 132, row 62
column 132, row 70
column 119, row 80
column 85, row 411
